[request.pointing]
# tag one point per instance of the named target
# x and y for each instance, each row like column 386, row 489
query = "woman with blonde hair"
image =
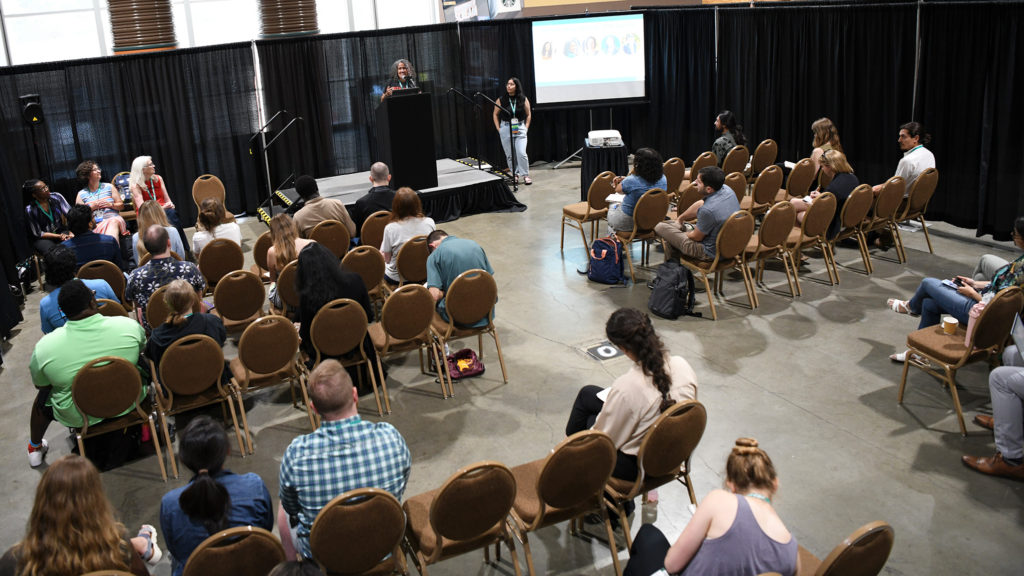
column 826, row 137
column 72, row 530
column 733, row 531
column 213, row 224
column 286, row 244
column 833, row 163
column 151, row 213
column 407, row 221
column 182, row 320
column 145, row 185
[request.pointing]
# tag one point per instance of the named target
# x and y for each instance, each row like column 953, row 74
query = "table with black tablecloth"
column 599, row 159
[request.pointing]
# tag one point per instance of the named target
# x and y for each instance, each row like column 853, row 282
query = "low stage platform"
column 461, row 190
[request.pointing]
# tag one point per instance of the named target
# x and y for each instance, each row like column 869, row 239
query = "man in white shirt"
column 916, row 158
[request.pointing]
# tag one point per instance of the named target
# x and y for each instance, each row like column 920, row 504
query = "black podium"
column 405, row 140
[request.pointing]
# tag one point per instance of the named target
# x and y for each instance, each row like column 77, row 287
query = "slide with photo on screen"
column 589, row 58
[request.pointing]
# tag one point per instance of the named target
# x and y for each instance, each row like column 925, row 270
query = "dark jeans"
column 41, row 416
column 647, row 555
column 172, row 217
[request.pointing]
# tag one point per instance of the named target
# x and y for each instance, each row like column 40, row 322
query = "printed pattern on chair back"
column 764, row 156
column 412, row 260
column 259, row 250
column 239, row 295
column 577, row 469
column 800, row 178
column 407, row 312
column 368, row 262
column 599, row 189
column 703, row 161
column 268, row 345
column 819, row 215
column 191, row 365
column 736, row 160
column 333, row 235
column 673, row 438
column 471, row 297
column 767, row 185
column 338, row 328
column 207, row 186
column 738, row 183
column 921, row 191
column 777, row 224
column 356, row 531
column 244, row 550
column 675, row 170
column 156, row 308
column 650, row 210
column 218, row 258
column 111, row 308
column 473, row 501
column 106, row 387
column 857, row 206
column 372, row 232
column 996, row 319
column 889, row 198
column 734, row 235
column 104, row 270
column 286, row 287
column 863, row 553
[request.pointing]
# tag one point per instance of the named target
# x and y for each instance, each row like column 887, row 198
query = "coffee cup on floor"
column 949, row 324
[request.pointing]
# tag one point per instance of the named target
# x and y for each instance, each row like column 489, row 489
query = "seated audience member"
column 987, row 266
column 160, row 270
column 636, row 399
column 59, row 355
column 407, row 222
column 834, row 164
column 182, row 300
column 345, row 453
column 731, row 135
column 215, row 498
column 317, row 209
column 718, row 204
column 1006, row 385
column 647, row 173
column 213, row 224
column 285, row 244
column 449, row 257
column 916, row 158
column 733, row 531
column 150, row 214
column 295, row 568
column 88, row 245
column 60, row 267
column 72, row 529
column 826, row 137
column 102, row 200
column 933, row 299
column 145, row 185
column 378, row 198
column 46, row 215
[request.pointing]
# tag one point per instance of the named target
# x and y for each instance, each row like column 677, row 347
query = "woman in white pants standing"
column 516, row 124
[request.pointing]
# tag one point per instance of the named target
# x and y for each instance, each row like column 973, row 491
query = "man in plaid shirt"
column 345, row 453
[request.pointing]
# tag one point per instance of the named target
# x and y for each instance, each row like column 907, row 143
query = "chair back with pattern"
column 104, row 270
column 372, row 231
column 286, row 285
column 474, row 501
column 889, row 198
column 408, row 312
column 368, row 263
column 600, row 187
column 207, row 186
column 218, row 258
column 703, row 161
column 111, row 308
column 338, row 328
column 574, row 473
column 245, row 550
column 736, row 160
column 767, row 185
column 239, row 296
column 993, row 326
column 471, row 297
column 819, row 216
column 268, row 345
column 412, row 260
column 800, row 178
column 764, row 156
column 777, row 225
column 675, row 171
column 738, row 183
column 356, row 531
column 333, row 235
column 733, row 236
column 856, row 207
column 921, row 192
column 863, row 553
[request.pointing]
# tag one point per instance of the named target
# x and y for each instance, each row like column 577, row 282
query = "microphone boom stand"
column 511, row 139
column 476, row 125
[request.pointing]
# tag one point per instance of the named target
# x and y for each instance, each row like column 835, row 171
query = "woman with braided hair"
column 625, row 411
column 733, row 531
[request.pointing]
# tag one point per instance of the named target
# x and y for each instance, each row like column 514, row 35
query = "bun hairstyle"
column 211, row 214
column 631, row 330
column 203, row 448
column 749, row 468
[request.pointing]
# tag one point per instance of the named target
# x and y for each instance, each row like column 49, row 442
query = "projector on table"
column 604, row 138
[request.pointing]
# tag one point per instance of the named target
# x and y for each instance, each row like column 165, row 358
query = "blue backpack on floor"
column 606, row 261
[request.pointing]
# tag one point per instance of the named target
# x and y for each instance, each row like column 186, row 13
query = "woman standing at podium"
column 402, row 76
column 516, row 124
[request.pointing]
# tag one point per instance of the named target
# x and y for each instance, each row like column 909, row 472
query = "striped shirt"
column 341, row 455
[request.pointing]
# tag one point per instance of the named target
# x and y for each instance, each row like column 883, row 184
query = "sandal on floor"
column 898, row 306
column 527, row 181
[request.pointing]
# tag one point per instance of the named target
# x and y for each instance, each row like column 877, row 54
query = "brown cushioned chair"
column 217, row 259
column 338, row 331
column 247, row 550
column 372, row 231
column 863, row 553
column 592, row 211
column 332, row 234
column 411, row 260
column 368, row 263
column 738, row 183
column 769, row 243
column 111, row 308
column 259, row 256
column 916, row 204
column 209, row 186
column 404, row 326
column 287, row 291
column 356, row 532
column 811, row 234
column 649, row 211
column 733, row 237
column 736, row 160
column 238, row 299
column 766, row 188
column 764, row 156
column 949, row 352
column 675, row 171
column 703, row 161
column 799, row 182
column 106, row 271
column 883, row 216
column 853, row 218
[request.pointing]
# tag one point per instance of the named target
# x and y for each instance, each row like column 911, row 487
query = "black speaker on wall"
column 31, row 109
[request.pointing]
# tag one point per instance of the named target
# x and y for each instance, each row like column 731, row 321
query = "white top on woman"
column 398, row 233
column 229, row 230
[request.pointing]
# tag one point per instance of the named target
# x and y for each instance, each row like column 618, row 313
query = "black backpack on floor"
column 672, row 292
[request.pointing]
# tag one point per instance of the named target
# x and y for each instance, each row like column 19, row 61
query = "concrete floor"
column 809, row 378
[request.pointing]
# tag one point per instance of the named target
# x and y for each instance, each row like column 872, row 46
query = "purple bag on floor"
column 464, row 364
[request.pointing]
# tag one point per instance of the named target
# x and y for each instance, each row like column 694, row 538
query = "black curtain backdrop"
column 782, row 68
column 969, row 99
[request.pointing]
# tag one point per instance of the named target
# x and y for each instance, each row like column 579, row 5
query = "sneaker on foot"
column 153, row 553
column 36, row 453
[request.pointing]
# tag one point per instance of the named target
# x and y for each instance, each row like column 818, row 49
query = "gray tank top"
column 744, row 550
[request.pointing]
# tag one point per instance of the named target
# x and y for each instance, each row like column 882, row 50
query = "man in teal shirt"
column 59, row 355
column 449, row 257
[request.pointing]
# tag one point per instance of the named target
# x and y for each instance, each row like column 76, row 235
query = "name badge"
column 515, row 125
